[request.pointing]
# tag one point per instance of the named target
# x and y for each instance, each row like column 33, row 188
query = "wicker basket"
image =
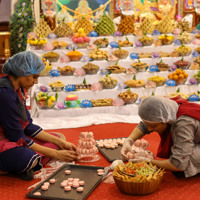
column 133, row 188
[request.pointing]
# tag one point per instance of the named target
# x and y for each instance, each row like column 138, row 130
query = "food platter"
column 55, row 192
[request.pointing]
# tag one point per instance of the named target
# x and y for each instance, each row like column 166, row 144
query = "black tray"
column 55, row 192
column 110, row 154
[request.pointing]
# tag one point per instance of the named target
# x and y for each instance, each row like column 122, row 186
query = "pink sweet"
column 101, row 173
column 48, row 47
column 67, row 188
column 75, row 40
column 81, row 182
column 79, row 189
column 79, row 72
column 70, row 179
column 53, row 180
column 76, row 179
column 44, row 187
column 64, row 59
column 67, row 171
column 76, row 184
column 70, row 183
column 137, row 143
column 144, row 144
column 46, row 183
column 96, row 87
column 87, row 39
column 196, row 41
column 176, row 31
column 37, row 193
column 63, row 184
column 80, row 40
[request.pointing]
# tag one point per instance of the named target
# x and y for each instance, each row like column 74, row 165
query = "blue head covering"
column 23, row 64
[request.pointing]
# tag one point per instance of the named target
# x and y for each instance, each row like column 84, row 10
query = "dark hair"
column 13, row 75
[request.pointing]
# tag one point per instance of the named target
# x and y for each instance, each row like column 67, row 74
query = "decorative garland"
column 80, row 15
column 20, row 25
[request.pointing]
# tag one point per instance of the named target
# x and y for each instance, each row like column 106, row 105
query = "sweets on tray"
column 162, row 66
column 102, row 42
column 140, row 66
column 120, row 53
column 183, row 64
column 146, row 40
column 179, row 76
column 185, row 38
column 66, row 70
column 98, row 54
column 102, row 102
column 147, row 26
column 183, row 50
column 128, row 96
column 159, row 80
column 108, row 82
column 74, row 55
column 115, row 69
column 126, row 25
column 134, row 83
column 85, row 24
column 90, row 68
column 51, row 56
column 57, row 85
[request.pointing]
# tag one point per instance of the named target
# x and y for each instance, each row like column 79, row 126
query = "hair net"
column 158, row 109
column 23, row 64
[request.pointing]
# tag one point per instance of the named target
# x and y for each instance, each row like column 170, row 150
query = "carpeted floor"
column 171, row 188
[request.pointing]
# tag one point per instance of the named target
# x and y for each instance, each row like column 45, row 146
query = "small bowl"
column 57, row 89
column 42, row 105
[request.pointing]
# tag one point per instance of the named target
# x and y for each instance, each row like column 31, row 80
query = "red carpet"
column 171, row 188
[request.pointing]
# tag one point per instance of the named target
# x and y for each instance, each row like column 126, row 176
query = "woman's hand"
column 66, row 155
column 67, row 145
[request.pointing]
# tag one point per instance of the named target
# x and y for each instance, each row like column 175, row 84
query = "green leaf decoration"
column 183, row 45
column 182, row 58
column 127, row 39
column 153, row 94
column 107, row 74
column 68, row 103
column 98, row 46
column 161, row 61
column 46, row 101
column 129, row 89
column 36, row 98
column 120, row 47
column 78, row 102
column 198, row 73
column 42, row 16
column 116, row 62
column 134, row 77
column 145, row 34
column 84, row 81
column 198, row 92
column 139, row 61
column 56, row 96
column 178, row 90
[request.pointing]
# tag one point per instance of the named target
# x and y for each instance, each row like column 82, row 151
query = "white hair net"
column 23, row 64
column 158, row 109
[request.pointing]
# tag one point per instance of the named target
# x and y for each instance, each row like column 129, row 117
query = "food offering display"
column 121, row 63
column 140, row 178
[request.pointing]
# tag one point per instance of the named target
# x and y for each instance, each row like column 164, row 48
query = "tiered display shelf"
column 126, row 113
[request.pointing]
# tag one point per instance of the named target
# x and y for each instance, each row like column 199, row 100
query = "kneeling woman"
column 24, row 146
column 178, row 124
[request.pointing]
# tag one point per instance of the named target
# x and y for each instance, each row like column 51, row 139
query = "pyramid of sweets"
column 105, row 26
column 147, row 26
column 126, row 25
column 42, row 29
column 86, row 147
column 85, row 24
column 63, row 29
column 165, row 25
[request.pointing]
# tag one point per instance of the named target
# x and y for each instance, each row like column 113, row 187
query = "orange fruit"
column 185, row 75
column 178, row 71
column 180, row 76
column 175, row 77
column 174, row 73
column 170, row 76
